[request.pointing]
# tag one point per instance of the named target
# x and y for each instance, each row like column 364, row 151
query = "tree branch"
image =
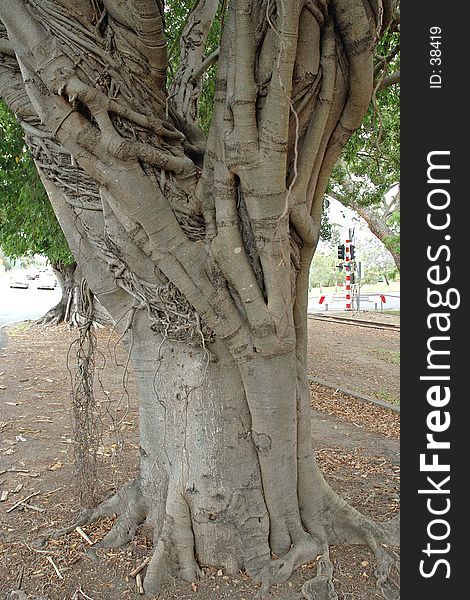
column 389, row 80
column 6, row 47
column 206, row 64
column 185, row 88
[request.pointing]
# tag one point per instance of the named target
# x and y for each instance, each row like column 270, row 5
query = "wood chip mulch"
column 374, row 418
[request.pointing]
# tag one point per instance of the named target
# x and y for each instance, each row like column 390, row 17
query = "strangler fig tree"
column 199, row 247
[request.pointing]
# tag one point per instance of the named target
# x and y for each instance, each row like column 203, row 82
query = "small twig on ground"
column 33, row 507
column 138, row 569
column 52, row 492
column 20, row 502
column 31, row 549
column 80, row 591
column 138, row 581
column 4, row 496
column 13, row 470
column 80, row 531
column 56, row 569
column 19, row 579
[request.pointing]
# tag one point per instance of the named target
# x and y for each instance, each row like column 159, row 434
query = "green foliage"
column 323, row 271
column 373, row 152
column 28, row 225
column 376, row 263
column 372, row 155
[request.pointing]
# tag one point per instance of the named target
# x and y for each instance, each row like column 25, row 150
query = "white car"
column 18, row 279
column 46, row 281
column 32, row 274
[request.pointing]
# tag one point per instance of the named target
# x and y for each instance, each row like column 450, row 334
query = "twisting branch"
column 206, row 64
column 186, row 87
column 128, row 188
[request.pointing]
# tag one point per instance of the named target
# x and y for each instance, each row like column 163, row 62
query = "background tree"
column 200, row 250
column 324, row 271
column 28, row 225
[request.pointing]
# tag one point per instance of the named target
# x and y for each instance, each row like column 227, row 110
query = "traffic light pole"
column 347, row 258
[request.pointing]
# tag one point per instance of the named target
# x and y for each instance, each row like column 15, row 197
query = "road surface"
column 21, row 305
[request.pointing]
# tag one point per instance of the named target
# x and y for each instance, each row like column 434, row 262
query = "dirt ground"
column 360, row 359
column 356, row 445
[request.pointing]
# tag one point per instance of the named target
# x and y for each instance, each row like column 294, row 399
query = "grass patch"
column 20, row 328
column 388, row 397
column 390, row 356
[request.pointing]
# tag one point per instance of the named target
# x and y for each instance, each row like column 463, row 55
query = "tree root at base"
column 174, row 551
column 53, row 317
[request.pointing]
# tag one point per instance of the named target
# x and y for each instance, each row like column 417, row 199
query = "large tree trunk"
column 201, row 254
column 66, row 307
column 69, row 309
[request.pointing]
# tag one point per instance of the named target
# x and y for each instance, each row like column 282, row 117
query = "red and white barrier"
column 325, row 300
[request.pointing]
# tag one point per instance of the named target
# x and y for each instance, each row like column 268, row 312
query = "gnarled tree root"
column 126, row 504
column 174, row 545
column 347, row 526
column 53, row 317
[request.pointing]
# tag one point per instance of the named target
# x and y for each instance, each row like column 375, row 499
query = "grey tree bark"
column 200, row 251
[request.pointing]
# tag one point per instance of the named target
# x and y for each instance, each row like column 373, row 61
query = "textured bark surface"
column 200, row 251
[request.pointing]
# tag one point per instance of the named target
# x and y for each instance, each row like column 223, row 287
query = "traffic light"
column 341, row 252
column 352, row 251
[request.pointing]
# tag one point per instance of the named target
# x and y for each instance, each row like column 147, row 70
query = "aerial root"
column 342, row 524
column 167, row 563
column 53, row 317
column 279, row 570
column 158, row 570
column 357, row 528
